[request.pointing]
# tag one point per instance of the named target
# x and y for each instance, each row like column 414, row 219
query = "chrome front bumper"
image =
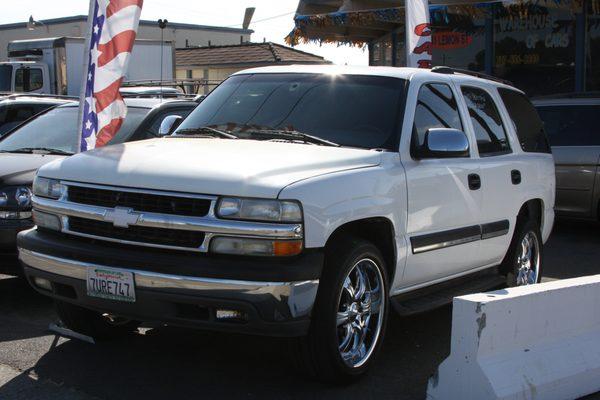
column 288, row 300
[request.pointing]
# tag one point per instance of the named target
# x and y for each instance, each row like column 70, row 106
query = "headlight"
column 15, row 202
column 45, row 187
column 259, row 210
column 23, row 197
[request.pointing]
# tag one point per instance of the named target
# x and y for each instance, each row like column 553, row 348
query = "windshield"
column 5, row 78
column 350, row 110
column 57, row 129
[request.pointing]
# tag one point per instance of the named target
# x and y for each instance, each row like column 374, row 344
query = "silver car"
column 572, row 123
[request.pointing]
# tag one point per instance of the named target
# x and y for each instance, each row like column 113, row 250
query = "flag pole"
column 84, row 75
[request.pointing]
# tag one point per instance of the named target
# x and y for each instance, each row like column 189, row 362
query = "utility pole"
column 162, row 24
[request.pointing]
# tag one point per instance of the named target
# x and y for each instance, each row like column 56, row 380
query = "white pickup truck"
column 301, row 201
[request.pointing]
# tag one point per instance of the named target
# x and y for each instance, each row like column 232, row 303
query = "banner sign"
column 112, row 27
column 418, row 34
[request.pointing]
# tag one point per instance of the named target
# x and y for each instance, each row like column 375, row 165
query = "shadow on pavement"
column 573, row 250
column 23, row 312
column 170, row 362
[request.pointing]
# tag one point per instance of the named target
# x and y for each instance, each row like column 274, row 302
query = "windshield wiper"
column 292, row 135
column 39, row 150
column 205, row 130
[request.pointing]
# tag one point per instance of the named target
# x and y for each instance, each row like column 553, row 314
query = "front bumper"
column 175, row 295
column 9, row 229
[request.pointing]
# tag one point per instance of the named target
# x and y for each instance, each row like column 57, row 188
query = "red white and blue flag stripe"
column 113, row 25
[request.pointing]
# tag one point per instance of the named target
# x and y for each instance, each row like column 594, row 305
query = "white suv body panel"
column 337, row 186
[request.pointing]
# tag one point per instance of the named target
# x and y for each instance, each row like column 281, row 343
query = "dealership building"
column 543, row 47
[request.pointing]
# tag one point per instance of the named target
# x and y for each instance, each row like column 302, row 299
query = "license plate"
column 110, row 284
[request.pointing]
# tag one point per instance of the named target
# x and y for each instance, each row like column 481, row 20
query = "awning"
column 357, row 22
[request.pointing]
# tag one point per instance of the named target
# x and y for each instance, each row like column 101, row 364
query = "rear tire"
column 349, row 315
column 523, row 262
column 92, row 323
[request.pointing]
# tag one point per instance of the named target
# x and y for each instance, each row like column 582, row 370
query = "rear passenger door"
column 500, row 172
column 443, row 208
column 574, row 135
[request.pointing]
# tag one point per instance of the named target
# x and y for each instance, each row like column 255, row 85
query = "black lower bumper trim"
column 180, row 309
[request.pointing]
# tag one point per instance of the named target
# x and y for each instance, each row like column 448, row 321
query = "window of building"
column 487, row 124
column 459, row 38
column 527, row 123
column 534, row 47
column 573, row 125
column 436, row 108
column 593, row 48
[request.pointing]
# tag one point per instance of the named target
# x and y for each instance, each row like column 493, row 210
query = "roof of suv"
column 16, row 99
column 146, row 102
column 393, row 72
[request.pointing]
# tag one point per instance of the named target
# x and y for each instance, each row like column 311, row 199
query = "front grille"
column 156, row 236
column 156, row 203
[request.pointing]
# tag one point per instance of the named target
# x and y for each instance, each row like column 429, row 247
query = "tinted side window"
column 527, row 123
column 13, row 115
column 571, row 125
column 489, row 131
column 436, row 108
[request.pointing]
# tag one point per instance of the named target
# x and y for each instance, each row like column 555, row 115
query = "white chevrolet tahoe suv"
column 300, row 201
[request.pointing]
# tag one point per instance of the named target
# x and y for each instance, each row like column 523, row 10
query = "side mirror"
column 445, row 143
column 169, row 124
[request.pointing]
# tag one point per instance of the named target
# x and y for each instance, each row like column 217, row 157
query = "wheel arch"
column 532, row 209
column 377, row 230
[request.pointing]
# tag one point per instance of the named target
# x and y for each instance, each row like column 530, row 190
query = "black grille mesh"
column 155, row 203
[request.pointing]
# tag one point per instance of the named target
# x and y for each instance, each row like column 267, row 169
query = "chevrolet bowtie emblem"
column 121, row 217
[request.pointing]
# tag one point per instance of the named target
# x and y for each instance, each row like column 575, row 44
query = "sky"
column 273, row 19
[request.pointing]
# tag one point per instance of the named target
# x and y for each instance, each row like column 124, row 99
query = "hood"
column 208, row 166
column 19, row 169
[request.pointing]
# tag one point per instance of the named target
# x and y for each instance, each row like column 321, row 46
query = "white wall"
column 195, row 37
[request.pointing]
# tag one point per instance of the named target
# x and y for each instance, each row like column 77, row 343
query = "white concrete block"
column 534, row 342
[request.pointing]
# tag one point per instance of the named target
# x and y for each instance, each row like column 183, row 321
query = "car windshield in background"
column 5, row 78
column 56, row 131
column 573, row 125
column 350, row 110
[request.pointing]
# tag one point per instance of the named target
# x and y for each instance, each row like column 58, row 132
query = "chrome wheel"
column 528, row 260
column 360, row 312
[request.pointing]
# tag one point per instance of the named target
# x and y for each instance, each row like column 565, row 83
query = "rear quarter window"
column 571, row 125
column 527, row 122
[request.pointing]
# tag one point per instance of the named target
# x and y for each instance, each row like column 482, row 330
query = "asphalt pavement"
column 170, row 362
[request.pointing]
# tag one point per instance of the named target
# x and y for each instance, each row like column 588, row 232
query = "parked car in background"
column 53, row 135
column 572, row 123
column 300, row 201
column 15, row 109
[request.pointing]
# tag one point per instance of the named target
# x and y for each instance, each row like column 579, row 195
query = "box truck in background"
column 55, row 65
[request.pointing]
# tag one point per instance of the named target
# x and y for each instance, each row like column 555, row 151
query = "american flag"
column 113, row 25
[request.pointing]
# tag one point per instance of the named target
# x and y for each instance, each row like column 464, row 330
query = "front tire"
column 350, row 313
column 523, row 262
column 92, row 323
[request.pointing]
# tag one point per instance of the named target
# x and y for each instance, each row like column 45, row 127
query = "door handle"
column 515, row 176
column 474, row 181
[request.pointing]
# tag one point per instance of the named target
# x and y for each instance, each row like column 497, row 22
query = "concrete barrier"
column 535, row 342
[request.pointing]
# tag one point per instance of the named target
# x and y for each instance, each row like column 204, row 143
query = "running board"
column 441, row 294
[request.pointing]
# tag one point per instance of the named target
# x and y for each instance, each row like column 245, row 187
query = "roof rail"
column 452, row 70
